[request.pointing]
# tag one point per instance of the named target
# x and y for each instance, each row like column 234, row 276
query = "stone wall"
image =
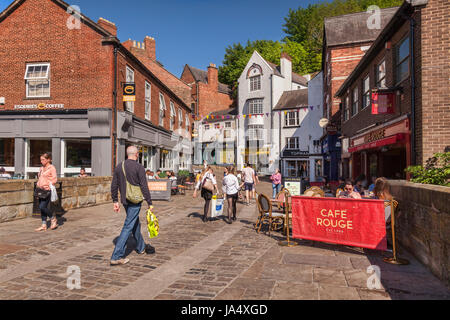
column 16, row 196
column 423, row 224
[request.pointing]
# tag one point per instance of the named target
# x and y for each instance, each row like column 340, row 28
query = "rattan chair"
column 266, row 213
column 314, row 192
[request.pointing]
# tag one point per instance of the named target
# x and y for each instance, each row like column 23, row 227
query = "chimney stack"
column 150, row 47
column 213, row 77
column 108, row 26
column 286, row 67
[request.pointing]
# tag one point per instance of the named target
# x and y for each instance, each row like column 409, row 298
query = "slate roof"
column 202, row 76
column 292, row 100
column 352, row 28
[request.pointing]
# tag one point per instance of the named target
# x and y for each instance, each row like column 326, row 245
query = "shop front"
column 383, row 151
column 301, row 164
column 75, row 138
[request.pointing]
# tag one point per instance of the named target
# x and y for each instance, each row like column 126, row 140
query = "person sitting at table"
column 372, row 186
column 158, row 173
column 382, row 189
column 359, row 187
column 349, row 192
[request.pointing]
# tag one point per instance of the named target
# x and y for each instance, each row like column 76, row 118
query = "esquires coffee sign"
column 374, row 136
column 40, row 106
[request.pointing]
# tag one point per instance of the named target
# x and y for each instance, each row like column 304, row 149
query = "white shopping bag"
column 216, row 207
column 54, row 195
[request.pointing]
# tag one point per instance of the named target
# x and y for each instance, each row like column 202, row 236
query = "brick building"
column 408, row 65
column 208, row 94
column 346, row 40
column 62, row 89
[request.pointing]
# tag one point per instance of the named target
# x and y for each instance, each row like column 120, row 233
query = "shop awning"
column 379, row 143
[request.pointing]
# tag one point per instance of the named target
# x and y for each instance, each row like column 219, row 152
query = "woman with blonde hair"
column 207, row 184
column 231, row 189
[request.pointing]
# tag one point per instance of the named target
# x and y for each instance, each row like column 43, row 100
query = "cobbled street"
column 195, row 261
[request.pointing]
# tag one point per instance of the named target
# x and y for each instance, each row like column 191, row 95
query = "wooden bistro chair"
column 314, row 192
column 266, row 213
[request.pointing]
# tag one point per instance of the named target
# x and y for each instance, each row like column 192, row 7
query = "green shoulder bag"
column 134, row 193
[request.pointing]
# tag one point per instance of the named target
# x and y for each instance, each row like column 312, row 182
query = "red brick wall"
column 433, row 114
column 342, row 60
column 80, row 67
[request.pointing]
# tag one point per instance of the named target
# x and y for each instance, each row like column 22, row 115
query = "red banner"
column 351, row 222
column 383, row 103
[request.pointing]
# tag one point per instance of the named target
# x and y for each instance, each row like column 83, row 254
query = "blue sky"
column 194, row 32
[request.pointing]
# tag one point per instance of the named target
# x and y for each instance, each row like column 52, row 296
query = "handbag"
column 208, row 185
column 133, row 193
column 41, row 193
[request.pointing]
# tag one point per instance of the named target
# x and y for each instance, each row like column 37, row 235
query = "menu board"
column 160, row 189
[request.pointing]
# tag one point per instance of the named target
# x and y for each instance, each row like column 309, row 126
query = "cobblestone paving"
column 194, row 261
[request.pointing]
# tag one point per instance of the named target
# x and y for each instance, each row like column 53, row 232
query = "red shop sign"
column 383, row 102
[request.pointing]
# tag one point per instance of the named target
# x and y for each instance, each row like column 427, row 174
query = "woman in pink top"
column 47, row 175
column 276, row 183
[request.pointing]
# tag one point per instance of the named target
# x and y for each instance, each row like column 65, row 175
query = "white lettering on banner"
column 40, row 106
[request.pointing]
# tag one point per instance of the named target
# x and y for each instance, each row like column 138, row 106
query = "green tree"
column 305, row 25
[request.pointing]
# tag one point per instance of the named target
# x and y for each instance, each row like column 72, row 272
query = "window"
column 187, row 122
column 129, row 79
column 255, row 83
column 148, row 100
column 7, row 152
column 292, row 119
column 162, row 109
column 227, row 124
column 37, row 80
column 34, row 149
column 180, row 118
column 298, row 169
column 227, row 134
column 292, row 143
column 255, row 132
column 256, row 106
column 346, row 109
column 206, row 127
column 366, row 92
column 77, row 155
column 381, row 74
column 217, row 126
column 355, row 101
column 172, row 115
column 402, row 60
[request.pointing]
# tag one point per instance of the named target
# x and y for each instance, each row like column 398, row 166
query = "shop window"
column 37, row 80
column 77, row 154
column 298, row 169
column 318, row 168
column 7, row 152
column 34, row 149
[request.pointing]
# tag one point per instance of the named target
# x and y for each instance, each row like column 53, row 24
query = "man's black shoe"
column 148, row 250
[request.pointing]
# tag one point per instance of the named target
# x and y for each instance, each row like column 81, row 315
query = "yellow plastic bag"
column 152, row 223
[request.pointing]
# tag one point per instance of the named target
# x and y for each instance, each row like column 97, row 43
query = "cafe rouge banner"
column 351, row 222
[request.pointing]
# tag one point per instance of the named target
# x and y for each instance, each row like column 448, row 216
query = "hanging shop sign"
column 129, row 92
column 383, row 102
column 40, row 106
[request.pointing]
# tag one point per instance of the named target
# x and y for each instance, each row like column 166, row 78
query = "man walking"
column 249, row 181
column 132, row 172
